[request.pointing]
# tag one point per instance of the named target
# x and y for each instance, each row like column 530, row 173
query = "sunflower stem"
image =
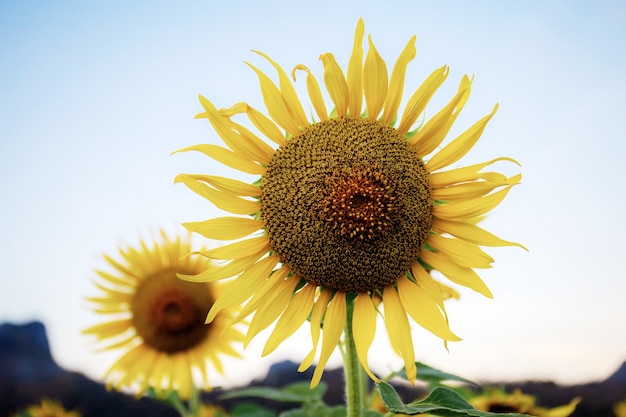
column 353, row 373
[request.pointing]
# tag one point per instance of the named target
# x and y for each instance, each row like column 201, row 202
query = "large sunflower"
column 357, row 207
column 158, row 319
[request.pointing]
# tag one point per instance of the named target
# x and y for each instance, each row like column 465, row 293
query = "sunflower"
column 158, row 319
column 498, row 401
column 48, row 408
column 353, row 207
column 620, row 409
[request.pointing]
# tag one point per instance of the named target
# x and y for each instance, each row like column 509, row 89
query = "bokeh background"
column 94, row 97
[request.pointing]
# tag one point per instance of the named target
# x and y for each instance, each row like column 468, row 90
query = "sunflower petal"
column 463, row 253
column 225, row 228
column 275, row 104
column 471, row 233
column 108, row 329
column 364, row 329
column 470, row 208
column 315, row 94
column 374, row 81
column 290, row 97
column 399, row 330
column 468, row 173
column 233, row 268
column 259, row 120
column 418, row 101
column 396, row 83
column 335, row 83
column 424, row 310
column 355, row 72
column 456, row 149
column 333, row 328
column 461, row 275
column 229, row 185
column 240, row 249
column 292, row 318
column 228, row 158
column 316, row 322
column 224, row 201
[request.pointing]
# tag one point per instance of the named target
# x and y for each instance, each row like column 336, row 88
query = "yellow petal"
column 355, row 72
column 259, row 120
column 461, row 252
column 364, row 329
column 315, row 94
column 456, row 149
column 290, row 97
column 396, row 83
column 108, row 329
column 225, row 228
column 275, row 104
column 240, row 249
column 459, row 274
column 243, row 287
column 335, row 83
column 224, row 128
column 418, row 101
column 262, row 152
column 429, row 137
column 374, row 81
column 228, row 158
column 271, row 307
column 468, row 173
column 424, row 310
column 334, row 322
column 224, row 201
column 472, row 190
column 316, row 322
column 564, row 410
column 261, row 294
column 399, row 330
column 470, row 233
column 471, row 208
column 124, row 281
column 292, row 318
column 229, row 185
column 233, row 268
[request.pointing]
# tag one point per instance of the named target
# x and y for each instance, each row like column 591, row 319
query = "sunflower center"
column 347, row 204
column 169, row 313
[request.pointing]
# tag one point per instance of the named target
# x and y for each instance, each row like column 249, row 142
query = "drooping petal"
column 399, row 330
column 259, row 120
column 335, row 83
column 224, row 201
column 375, row 81
column 396, row 83
column 240, row 249
column 333, row 328
column 292, row 318
column 468, row 173
column 229, row 185
column 473, row 189
column 355, row 72
column 316, row 322
column 315, row 94
column 424, row 310
column 290, row 97
column 225, row 228
column 262, row 292
column 233, row 268
column 459, row 274
column 418, row 101
column 364, row 329
column 275, row 104
column 227, row 157
column 243, row 287
column 456, row 149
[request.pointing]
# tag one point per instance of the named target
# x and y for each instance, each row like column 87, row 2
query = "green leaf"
column 441, row 401
column 315, row 411
column 294, row 393
column 250, row 410
column 435, row 377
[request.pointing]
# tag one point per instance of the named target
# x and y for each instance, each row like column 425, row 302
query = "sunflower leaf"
column 441, row 401
column 293, row 393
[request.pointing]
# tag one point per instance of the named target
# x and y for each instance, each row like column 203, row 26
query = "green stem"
column 353, row 373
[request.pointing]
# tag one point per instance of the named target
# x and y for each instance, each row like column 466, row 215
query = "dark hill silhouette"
column 28, row 373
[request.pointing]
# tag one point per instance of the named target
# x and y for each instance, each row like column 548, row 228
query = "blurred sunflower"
column 350, row 207
column 620, row 409
column 158, row 319
column 48, row 408
column 499, row 401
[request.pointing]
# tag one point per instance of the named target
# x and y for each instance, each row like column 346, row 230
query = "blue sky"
column 95, row 96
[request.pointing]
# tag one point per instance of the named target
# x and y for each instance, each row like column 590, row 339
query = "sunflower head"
column 352, row 210
column 158, row 319
column 499, row 401
column 48, row 408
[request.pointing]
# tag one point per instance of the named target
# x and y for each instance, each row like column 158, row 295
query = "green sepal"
column 441, row 401
column 294, row 393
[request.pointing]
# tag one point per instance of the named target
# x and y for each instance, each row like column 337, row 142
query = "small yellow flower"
column 358, row 206
column 49, row 408
column 158, row 319
column 209, row 410
column 498, row 401
column 620, row 409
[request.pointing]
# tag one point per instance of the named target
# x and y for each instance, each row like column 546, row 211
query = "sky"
column 95, row 96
